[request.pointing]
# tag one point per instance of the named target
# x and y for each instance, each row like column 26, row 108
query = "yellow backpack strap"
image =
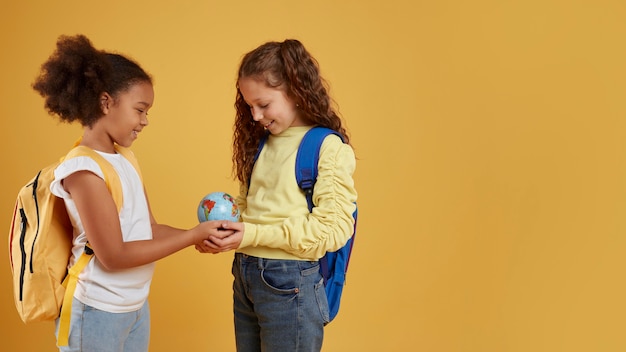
column 130, row 156
column 113, row 183
column 69, row 283
column 111, row 179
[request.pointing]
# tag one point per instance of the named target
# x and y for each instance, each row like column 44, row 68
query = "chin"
column 125, row 144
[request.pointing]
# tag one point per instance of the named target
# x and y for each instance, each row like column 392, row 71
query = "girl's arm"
column 101, row 222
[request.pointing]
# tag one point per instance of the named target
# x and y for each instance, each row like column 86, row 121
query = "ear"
column 105, row 102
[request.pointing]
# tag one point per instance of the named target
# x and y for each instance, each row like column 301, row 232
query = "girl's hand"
column 211, row 229
column 228, row 237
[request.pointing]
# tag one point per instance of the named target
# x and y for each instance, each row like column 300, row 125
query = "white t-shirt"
column 112, row 291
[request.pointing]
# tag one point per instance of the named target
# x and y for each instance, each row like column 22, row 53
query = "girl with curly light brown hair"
column 279, row 298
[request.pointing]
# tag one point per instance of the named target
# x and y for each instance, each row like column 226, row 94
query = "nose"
column 256, row 115
column 144, row 121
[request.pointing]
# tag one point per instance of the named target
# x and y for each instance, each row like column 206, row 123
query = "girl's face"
column 127, row 115
column 271, row 107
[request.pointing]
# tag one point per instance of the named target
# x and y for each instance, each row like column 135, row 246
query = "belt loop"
column 261, row 263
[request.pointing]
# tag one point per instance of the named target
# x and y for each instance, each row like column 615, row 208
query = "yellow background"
column 491, row 172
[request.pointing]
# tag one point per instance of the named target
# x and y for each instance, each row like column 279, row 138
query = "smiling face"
column 127, row 114
column 271, row 107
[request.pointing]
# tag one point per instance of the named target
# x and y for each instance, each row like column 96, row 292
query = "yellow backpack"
column 40, row 243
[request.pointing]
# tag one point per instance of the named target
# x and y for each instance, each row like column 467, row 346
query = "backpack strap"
column 258, row 152
column 113, row 183
column 111, row 179
column 130, row 156
column 69, row 283
column 261, row 144
column 307, row 159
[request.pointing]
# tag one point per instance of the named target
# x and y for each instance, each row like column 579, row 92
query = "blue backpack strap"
column 261, row 144
column 307, row 159
column 306, row 173
column 258, row 152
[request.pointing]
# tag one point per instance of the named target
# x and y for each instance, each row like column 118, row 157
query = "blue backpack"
column 333, row 265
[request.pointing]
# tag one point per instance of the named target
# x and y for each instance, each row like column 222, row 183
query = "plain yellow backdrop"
column 491, row 173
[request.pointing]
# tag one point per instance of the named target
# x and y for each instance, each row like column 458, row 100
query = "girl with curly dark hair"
column 110, row 96
column 279, row 298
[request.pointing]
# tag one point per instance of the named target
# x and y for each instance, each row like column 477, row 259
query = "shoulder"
column 333, row 144
column 75, row 164
column 69, row 167
column 335, row 153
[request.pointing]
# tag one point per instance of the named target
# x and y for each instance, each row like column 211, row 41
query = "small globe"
column 218, row 206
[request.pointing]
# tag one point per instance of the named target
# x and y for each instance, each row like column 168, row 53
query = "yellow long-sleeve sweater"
column 278, row 224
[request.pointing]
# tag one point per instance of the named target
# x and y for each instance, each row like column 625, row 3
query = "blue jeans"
column 279, row 305
column 94, row 330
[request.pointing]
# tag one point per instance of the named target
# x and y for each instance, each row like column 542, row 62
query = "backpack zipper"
column 23, row 223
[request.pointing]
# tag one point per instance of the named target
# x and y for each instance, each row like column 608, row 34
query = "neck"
column 97, row 141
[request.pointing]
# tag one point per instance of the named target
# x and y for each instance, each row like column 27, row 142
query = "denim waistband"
column 241, row 257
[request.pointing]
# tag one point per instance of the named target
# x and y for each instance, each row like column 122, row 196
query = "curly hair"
column 76, row 74
column 289, row 66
